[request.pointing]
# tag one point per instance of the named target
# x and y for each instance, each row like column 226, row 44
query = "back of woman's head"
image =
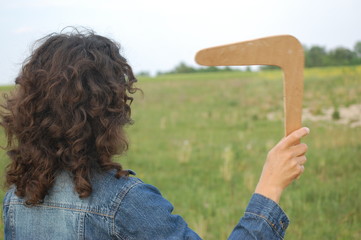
column 67, row 113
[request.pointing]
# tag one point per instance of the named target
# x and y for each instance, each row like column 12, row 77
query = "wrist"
column 273, row 193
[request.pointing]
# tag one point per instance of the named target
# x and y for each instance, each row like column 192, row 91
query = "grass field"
column 202, row 140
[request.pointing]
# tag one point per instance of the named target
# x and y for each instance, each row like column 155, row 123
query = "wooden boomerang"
column 284, row 51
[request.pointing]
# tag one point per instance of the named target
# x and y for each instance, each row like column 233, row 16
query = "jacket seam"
column 12, row 222
column 268, row 221
column 73, row 209
column 119, row 203
column 120, row 196
column 81, row 226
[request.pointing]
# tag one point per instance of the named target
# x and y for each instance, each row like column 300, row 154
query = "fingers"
column 299, row 149
column 299, row 165
column 301, row 169
column 295, row 137
column 301, row 160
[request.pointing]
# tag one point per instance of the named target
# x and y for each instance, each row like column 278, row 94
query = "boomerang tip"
column 202, row 57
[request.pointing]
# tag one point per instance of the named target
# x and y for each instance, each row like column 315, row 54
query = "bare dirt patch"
column 350, row 115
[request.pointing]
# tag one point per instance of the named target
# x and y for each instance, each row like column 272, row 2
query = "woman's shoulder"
column 109, row 182
column 9, row 195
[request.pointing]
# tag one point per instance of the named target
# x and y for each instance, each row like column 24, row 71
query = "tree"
column 269, row 67
column 357, row 49
column 315, row 56
column 143, row 74
column 342, row 56
column 183, row 68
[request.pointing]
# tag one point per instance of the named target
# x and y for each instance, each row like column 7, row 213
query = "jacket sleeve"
column 145, row 214
column 263, row 219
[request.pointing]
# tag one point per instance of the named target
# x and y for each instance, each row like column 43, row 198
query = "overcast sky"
column 158, row 34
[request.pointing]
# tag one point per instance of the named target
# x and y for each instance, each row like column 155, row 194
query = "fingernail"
column 307, row 130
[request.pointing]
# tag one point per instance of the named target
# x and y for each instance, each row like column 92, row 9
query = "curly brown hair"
column 67, row 112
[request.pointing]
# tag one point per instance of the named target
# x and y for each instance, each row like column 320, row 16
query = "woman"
column 64, row 123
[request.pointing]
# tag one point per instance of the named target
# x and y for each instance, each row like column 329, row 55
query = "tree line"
column 315, row 56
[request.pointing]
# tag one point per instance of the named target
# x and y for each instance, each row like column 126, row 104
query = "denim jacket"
column 124, row 208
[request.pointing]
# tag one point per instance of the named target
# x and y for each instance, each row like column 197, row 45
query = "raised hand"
column 285, row 163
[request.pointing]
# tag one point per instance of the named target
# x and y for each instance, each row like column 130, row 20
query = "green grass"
column 202, row 140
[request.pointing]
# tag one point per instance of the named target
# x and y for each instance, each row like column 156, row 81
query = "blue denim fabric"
column 124, row 208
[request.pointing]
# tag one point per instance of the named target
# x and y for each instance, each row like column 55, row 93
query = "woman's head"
column 67, row 113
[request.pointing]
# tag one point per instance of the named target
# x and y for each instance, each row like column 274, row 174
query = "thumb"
column 295, row 136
